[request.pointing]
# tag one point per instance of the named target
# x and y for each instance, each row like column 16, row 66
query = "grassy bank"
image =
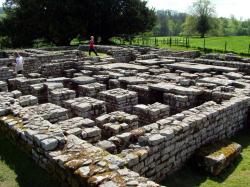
column 237, row 175
column 18, row 170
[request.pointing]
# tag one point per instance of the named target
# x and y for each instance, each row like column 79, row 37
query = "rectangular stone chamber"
column 93, row 121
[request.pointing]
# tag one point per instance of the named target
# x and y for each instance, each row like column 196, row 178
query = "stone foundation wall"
column 168, row 143
column 90, row 167
column 31, row 64
column 6, row 73
column 242, row 66
column 55, row 69
column 120, row 54
column 79, row 118
column 3, row 86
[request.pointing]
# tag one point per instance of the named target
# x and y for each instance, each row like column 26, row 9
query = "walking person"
column 92, row 46
column 19, row 63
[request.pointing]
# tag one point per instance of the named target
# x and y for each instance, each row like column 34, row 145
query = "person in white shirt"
column 19, row 63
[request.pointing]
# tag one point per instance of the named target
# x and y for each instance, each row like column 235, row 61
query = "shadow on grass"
column 28, row 173
column 191, row 176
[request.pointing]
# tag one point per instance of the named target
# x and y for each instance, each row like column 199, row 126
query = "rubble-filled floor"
column 126, row 119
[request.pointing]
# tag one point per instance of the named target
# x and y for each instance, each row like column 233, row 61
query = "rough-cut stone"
column 91, row 90
column 50, row 112
column 116, row 123
column 83, row 80
column 151, row 113
column 217, row 156
column 3, row 86
column 49, row 144
column 119, row 99
column 86, row 107
column 27, row 100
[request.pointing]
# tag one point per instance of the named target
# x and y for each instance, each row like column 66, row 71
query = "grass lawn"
column 237, row 175
column 19, row 170
column 237, row 44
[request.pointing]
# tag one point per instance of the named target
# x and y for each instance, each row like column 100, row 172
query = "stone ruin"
column 127, row 119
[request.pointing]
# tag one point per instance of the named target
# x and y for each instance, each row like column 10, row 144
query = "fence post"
column 249, row 49
column 170, row 41
column 225, row 47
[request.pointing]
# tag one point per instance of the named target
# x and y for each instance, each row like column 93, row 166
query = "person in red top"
column 91, row 46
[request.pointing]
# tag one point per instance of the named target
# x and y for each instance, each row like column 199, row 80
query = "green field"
column 237, row 175
column 236, row 44
column 18, row 170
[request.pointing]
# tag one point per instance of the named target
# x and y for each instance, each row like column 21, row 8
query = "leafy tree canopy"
column 59, row 21
column 203, row 10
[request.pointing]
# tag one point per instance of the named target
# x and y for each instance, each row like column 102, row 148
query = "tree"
column 169, row 22
column 118, row 17
column 217, row 28
column 189, row 26
column 163, row 20
column 59, row 21
column 53, row 21
column 204, row 11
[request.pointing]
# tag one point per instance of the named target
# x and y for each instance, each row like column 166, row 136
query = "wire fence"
column 153, row 41
column 183, row 42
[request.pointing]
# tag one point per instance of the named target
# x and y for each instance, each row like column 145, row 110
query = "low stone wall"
column 119, row 100
column 120, row 54
column 242, row 66
column 32, row 64
column 90, row 166
column 151, row 113
column 186, row 54
column 164, row 146
column 225, row 57
column 3, row 86
column 171, row 141
column 6, row 73
column 55, row 69
column 23, row 84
